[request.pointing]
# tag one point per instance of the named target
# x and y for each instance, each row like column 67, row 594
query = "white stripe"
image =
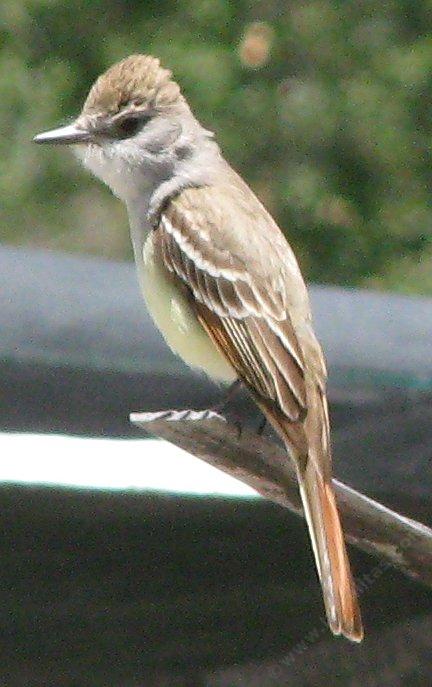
column 231, row 275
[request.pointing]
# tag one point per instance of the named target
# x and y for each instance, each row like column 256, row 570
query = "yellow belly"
column 175, row 318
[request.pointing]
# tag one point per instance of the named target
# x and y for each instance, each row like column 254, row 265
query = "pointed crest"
column 138, row 79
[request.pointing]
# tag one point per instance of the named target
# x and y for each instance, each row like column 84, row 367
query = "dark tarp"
column 105, row 589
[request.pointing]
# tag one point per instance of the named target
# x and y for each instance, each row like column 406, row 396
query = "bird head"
column 134, row 127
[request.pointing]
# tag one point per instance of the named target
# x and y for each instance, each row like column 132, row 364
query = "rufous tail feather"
column 340, row 596
column 325, row 531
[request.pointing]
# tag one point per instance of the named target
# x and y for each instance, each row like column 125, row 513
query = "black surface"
column 102, row 588
column 124, row 589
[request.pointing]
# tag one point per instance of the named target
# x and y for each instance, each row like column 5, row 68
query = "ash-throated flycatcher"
column 220, row 281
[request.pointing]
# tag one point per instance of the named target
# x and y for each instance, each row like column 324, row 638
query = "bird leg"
column 262, row 425
column 223, row 405
column 241, row 414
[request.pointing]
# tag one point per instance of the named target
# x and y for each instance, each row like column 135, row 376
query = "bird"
column 220, row 281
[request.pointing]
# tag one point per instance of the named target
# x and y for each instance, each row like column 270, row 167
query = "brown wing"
column 242, row 313
column 249, row 295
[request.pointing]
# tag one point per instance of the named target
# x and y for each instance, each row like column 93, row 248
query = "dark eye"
column 129, row 126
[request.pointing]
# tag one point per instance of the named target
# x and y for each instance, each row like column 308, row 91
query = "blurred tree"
column 322, row 105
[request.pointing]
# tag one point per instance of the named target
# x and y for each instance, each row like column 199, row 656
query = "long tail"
column 325, row 531
column 339, row 593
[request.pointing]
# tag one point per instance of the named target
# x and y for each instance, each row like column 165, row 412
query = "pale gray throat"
column 200, row 168
column 198, row 165
column 201, row 165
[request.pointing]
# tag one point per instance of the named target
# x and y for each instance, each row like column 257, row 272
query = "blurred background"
column 324, row 107
column 147, row 568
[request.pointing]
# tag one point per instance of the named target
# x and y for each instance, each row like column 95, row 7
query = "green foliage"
column 323, row 106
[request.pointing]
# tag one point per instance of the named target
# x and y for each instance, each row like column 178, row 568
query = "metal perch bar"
column 263, row 465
